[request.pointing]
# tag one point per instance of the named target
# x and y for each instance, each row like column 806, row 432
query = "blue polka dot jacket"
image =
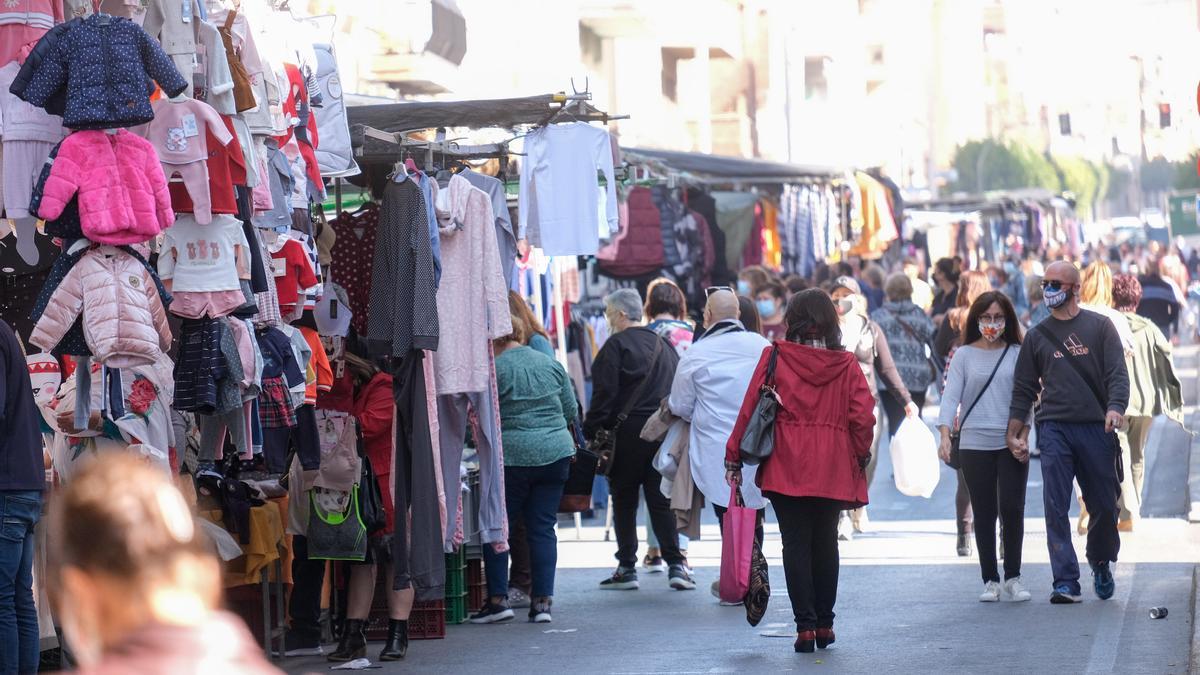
column 102, row 62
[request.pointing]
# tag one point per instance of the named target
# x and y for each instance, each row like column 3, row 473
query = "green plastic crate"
column 456, row 609
column 456, row 574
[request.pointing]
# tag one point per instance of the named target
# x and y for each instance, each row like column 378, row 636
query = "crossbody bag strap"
column 641, row 388
column 1087, row 379
column 962, row 420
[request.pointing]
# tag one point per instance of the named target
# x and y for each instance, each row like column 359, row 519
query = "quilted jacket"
column 124, row 323
column 123, row 196
column 640, row 251
column 102, row 62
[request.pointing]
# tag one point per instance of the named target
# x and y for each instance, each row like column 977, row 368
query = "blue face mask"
column 766, row 307
column 743, row 287
column 1055, row 299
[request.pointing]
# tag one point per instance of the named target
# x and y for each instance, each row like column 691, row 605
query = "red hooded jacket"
column 824, row 425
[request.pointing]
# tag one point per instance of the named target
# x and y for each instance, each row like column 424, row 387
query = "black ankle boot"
column 353, row 644
column 397, row 641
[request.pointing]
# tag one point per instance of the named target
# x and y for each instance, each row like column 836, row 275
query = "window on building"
column 816, row 86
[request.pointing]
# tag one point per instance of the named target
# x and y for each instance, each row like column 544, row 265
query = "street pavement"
column 906, row 602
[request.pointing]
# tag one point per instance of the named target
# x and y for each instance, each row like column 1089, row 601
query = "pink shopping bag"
column 736, row 548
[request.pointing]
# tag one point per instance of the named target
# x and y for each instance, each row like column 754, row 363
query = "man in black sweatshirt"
column 22, row 478
column 1075, row 362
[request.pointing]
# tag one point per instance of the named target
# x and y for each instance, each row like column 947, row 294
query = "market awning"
column 504, row 113
column 722, row 169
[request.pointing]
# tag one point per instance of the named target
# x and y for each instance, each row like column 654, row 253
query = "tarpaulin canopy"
column 718, row 168
column 477, row 114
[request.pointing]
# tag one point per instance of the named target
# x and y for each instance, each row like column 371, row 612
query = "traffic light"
column 1064, row 124
column 1164, row 115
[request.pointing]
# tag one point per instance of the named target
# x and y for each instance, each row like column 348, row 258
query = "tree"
column 998, row 165
column 1079, row 176
column 1185, row 175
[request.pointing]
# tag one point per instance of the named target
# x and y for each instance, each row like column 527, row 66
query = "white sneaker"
column 1014, row 591
column 991, row 592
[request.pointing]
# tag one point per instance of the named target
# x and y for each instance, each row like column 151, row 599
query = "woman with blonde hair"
column 136, row 583
column 1096, row 295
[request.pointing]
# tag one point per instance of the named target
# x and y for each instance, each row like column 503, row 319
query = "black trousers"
column 996, row 481
column 304, row 604
column 808, row 526
column 758, row 523
column 633, row 470
column 417, row 558
column 895, row 410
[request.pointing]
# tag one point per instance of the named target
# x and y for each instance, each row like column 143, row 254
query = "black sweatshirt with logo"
column 1093, row 345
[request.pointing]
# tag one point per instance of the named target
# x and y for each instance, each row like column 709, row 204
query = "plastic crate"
column 456, row 573
column 456, row 609
column 426, row 622
column 476, row 586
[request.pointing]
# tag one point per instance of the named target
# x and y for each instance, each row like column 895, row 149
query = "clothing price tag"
column 279, row 266
column 187, row 11
column 189, row 126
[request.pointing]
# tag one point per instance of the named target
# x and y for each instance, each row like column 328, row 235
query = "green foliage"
column 1185, row 175
column 1079, row 176
column 999, row 165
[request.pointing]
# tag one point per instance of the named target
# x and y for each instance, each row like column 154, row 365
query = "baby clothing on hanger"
column 226, row 169
column 179, row 134
column 205, row 264
column 28, row 133
column 292, row 271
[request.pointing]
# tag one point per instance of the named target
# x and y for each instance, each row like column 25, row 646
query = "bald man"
column 709, row 386
column 1075, row 363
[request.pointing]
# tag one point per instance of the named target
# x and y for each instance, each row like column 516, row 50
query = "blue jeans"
column 1085, row 452
column 531, row 495
column 19, row 639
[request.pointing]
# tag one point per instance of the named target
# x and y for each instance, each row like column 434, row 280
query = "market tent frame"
column 698, row 167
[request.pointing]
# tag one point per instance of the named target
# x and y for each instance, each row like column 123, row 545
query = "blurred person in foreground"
column 866, row 340
column 1154, row 389
column 1075, row 364
column 822, row 436
column 537, row 405
column 980, row 383
column 22, row 479
column 1037, row 308
column 632, row 355
column 137, row 585
column 709, row 385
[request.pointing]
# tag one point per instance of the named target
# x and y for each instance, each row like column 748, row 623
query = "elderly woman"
column 909, row 333
column 630, row 377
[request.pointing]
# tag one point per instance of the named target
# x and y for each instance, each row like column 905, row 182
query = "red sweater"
column 824, row 425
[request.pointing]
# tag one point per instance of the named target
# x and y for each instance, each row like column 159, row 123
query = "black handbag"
column 577, row 492
column 604, row 445
column 955, row 454
column 370, row 499
column 758, row 441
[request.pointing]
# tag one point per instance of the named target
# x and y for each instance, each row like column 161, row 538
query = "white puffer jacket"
column 124, row 321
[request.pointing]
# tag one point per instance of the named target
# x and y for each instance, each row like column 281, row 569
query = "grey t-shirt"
column 987, row 425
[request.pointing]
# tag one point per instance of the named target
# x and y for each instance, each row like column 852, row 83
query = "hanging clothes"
column 878, row 227
column 335, row 157
column 560, row 202
column 403, row 309
column 640, row 251
column 735, row 213
column 506, row 238
column 355, row 244
column 21, row 281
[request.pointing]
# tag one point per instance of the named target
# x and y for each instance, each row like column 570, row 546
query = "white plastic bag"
column 914, row 459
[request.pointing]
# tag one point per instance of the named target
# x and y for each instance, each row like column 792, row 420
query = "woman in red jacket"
column 373, row 408
column 823, row 433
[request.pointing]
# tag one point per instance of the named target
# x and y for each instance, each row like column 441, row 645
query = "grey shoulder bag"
column 758, row 441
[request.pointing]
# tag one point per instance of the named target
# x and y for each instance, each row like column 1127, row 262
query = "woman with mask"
column 945, row 278
column 138, row 587
column 822, row 438
column 769, row 299
column 971, row 285
column 751, row 279
column 865, row 339
column 976, row 401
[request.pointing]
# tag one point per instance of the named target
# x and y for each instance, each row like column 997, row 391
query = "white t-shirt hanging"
column 563, row 209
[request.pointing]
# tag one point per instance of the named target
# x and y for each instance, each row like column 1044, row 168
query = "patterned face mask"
column 1055, row 299
column 991, row 331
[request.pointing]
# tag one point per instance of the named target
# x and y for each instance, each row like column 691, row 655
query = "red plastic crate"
column 426, row 622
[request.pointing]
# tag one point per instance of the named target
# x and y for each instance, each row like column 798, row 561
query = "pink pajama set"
column 29, row 134
column 205, row 265
column 179, row 133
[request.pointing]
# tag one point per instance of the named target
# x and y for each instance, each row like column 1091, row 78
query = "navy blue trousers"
column 1084, row 452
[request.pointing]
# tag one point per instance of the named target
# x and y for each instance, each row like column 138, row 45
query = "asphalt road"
column 906, row 604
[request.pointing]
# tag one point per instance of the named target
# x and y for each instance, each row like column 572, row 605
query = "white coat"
column 710, row 384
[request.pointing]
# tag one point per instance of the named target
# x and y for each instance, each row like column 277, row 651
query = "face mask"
column 845, row 305
column 1055, row 299
column 743, row 287
column 991, row 331
column 766, row 307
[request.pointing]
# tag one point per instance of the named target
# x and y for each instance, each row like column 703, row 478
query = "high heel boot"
column 353, row 644
column 806, row 641
column 825, row 637
column 397, row 641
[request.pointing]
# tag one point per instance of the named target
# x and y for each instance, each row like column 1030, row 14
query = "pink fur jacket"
column 123, row 197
